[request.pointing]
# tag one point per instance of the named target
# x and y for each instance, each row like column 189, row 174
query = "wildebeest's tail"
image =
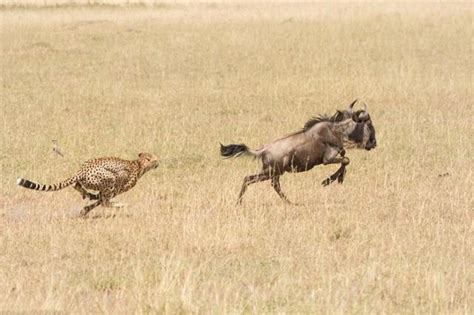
column 35, row 186
column 235, row 150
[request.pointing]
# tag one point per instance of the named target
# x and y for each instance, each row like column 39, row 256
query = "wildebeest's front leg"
column 342, row 170
column 252, row 179
column 330, row 157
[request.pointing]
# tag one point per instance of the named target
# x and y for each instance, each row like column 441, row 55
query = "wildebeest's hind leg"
column 84, row 193
column 277, row 187
column 252, row 179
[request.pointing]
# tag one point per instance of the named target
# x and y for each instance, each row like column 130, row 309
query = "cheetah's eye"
column 145, row 157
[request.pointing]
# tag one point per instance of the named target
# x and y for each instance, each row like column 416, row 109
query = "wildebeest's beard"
column 362, row 136
column 356, row 137
column 372, row 142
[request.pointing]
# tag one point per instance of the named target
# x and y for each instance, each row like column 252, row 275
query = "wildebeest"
column 321, row 141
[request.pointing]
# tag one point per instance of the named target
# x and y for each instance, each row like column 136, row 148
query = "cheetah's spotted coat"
column 109, row 176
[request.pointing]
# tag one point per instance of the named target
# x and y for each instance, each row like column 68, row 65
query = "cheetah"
column 109, row 176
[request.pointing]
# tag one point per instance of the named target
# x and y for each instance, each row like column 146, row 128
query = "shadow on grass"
column 98, row 216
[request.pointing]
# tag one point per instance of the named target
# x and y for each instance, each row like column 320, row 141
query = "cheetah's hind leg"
column 88, row 208
column 84, row 193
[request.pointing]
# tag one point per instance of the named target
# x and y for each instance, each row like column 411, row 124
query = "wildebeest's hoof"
column 340, row 178
column 326, row 182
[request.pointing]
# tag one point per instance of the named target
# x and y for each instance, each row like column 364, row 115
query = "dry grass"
column 396, row 237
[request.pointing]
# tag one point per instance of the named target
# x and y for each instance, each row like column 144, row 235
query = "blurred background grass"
column 176, row 81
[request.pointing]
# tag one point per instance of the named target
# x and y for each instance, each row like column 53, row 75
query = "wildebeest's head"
column 363, row 134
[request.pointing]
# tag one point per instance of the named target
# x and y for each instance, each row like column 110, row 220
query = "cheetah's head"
column 148, row 161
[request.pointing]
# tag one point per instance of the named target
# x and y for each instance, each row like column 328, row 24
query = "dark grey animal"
column 321, row 141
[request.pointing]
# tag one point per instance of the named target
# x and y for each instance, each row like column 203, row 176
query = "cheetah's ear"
column 144, row 156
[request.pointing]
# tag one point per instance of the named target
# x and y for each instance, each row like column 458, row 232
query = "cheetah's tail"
column 35, row 186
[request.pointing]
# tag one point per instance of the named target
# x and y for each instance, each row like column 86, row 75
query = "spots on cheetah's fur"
column 109, row 176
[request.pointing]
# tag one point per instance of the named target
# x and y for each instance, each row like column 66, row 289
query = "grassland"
column 396, row 237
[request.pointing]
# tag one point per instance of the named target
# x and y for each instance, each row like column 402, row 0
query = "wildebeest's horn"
column 365, row 107
column 352, row 105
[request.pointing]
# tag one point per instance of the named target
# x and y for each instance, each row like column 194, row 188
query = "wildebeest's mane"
column 338, row 116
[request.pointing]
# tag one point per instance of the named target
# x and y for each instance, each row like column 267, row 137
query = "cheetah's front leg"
column 104, row 200
column 106, row 197
column 105, row 183
column 116, row 204
column 113, row 204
